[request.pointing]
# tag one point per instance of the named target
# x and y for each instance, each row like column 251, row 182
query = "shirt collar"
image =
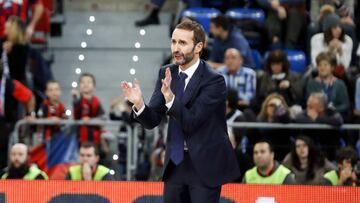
column 191, row 70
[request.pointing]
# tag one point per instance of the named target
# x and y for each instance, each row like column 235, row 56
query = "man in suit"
column 199, row 158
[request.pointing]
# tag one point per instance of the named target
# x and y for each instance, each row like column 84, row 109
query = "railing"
column 292, row 126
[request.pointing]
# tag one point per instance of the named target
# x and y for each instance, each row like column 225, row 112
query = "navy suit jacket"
column 201, row 114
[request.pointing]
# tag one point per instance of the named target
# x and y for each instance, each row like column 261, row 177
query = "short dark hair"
column 50, row 82
column 88, row 75
column 277, row 56
column 191, row 25
column 346, row 153
column 271, row 146
column 326, row 56
column 221, row 21
column 88, row 145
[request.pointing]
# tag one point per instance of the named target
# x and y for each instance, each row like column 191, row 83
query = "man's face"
column 313, row 104
column 216, row 31
column 18, row 155
column 87, row 155
column 233, row 60
column 182, row 46
column 86, row 85
column 324, row 69
column 262, row 155
column 53, row 91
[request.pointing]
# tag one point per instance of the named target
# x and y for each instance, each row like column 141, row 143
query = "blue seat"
column 257, row 58
column 297, row 60
column 257, row 15
column 202, row 16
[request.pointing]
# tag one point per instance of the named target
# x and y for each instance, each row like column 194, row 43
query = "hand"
column 284, row 84
column 274, row 4
column 74, row 93
column 345, row 174
column 86, row 118
column 312, row 114
column 133, row 94
column 281, row 12
column 165, row 88
column 347, row 20
column 30, row 31
column 243, row 103
column 334, row 44
column 86, row 171
column 7, row 46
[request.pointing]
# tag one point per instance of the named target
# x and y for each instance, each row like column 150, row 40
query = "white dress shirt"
column 189, row 72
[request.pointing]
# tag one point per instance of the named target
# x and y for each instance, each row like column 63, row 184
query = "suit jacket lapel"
column 193, row 83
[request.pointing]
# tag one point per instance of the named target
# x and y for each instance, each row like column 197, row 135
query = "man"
column 88, row 167
column 198, row 157
column 317, row 111
column 266, row 170
column 227, row 37
column 345, row 176
column 238, row 77
column 19, row 167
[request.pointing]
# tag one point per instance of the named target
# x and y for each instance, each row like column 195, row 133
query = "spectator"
column 345, row 8
column 326, row 82
column 284, row 21
column 280, row 79
column 13, row 93
column 16, row 46
column 88, row 167
column 52, row 108
column 317, row 111
column 239, row 77
column 275, row 110
column 345, row 176
column 87, row 106
column 267, row 170
column 307, row 162
column 333, row 39
column 226, row 36
column 30, row 12
column 19, row 167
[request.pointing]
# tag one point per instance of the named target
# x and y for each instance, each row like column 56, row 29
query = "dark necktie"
column 177, row 136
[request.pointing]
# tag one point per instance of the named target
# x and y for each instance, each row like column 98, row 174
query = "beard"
column 187, row 58
column 17, row 172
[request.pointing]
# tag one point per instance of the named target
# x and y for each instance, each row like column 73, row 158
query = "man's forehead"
column 182, row 34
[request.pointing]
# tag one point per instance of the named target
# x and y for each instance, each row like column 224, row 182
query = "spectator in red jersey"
column 87, row 106
column 30, row 12
column 11, row 92
column 52, row 108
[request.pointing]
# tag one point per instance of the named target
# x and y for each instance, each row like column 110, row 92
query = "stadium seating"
column 202, row 15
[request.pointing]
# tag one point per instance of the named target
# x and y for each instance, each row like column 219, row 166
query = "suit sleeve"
column 210, row 97
column 156, row 109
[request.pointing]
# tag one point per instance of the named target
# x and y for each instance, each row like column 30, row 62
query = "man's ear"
column 199, row 47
